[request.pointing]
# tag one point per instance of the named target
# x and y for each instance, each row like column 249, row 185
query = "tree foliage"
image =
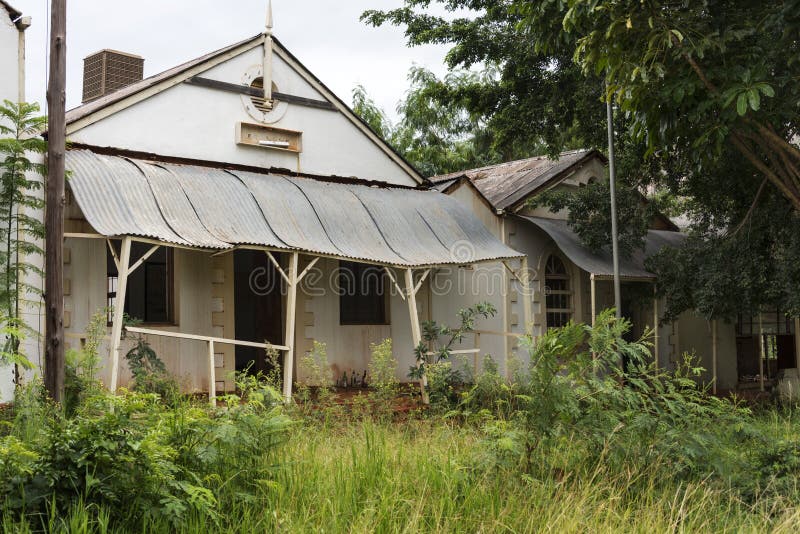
column 707, row 109
column 20, row 227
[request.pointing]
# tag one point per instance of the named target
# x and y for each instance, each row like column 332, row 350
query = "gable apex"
column 94, row 111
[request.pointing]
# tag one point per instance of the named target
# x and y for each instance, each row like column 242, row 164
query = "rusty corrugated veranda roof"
column 214, row 208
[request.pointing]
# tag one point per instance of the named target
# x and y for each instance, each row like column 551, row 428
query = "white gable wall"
column 199, row 123
column 9, row 58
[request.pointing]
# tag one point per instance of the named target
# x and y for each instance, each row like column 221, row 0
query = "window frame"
column 565, row 314
column 169, row 263
column 385, row 319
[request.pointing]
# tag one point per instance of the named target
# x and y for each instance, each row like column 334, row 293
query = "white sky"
column 326, row 36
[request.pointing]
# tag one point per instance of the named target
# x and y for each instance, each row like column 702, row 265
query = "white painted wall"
column 9, row 57
column 9, row 90
column 196, row 122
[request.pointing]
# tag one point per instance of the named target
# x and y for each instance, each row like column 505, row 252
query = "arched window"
column 558, row 294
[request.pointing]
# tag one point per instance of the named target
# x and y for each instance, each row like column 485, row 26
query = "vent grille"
column 259, row 102
column 107, row 71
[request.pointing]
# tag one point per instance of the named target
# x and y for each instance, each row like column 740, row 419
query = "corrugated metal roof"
column 507, row 183
column 601, row 263
column 214, row 208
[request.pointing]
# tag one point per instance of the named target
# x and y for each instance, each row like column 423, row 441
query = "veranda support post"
column 416, row 334
column 119, row 309
column 288, row 338
column 714, row 356
column 526, row 301
column 655, row 327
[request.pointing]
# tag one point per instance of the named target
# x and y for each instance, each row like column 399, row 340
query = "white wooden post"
column 655, row 327
column 526, row 300
column 212, row 375
column 762, row 352
column 797, row 342
column 714, row 356
column 416, row 334
column 288, row 338
column 593, row 297
column 119, row 309
column 476, row 357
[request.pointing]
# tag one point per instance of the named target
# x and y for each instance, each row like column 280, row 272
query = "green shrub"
column 576, row 389
column 138, row 458
column 383, row 378
column 150, row 375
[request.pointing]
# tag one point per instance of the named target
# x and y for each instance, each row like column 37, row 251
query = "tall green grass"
column 428, row 476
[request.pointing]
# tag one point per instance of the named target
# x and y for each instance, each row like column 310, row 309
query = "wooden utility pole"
column 54, row 203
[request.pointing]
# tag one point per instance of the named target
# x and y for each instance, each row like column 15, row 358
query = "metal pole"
column 54, row 207
column 612, row 178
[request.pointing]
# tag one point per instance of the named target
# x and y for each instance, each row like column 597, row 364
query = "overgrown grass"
column 572, row 444
column 426, row 476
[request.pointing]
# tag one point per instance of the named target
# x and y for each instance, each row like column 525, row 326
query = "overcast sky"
column 325, row 35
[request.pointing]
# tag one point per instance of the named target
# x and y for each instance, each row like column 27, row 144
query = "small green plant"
column 150, row 375
column 433, row 354
column 80, row 377
column 383, row 377
column 317, row 384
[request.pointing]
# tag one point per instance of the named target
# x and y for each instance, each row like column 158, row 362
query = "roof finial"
column 266, row 73
column 268, row 27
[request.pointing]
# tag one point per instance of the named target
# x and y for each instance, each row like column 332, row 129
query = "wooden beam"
column 247, row 90
column 416, row 334
column 196, row 337
column 308, row 268
column 119, row 309
column 212, row 375
column 421, row 280
column 54, row 201
column 113, row 253
column 400, row 290
column 277, row 266
column 143, row 258
column 288, row 338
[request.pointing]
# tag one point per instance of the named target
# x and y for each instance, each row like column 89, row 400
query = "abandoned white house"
column 234, row 203
column 228, row 220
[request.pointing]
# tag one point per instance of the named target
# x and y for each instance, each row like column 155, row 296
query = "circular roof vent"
column 255, row 105
column 259, row 102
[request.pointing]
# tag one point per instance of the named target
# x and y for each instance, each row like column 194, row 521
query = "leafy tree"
column 437, row 135
column 707, row 103
column 20, row 231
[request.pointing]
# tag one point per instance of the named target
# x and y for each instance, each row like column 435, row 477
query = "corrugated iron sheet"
column 217, row 209
column 506, row 183
column 601, row 263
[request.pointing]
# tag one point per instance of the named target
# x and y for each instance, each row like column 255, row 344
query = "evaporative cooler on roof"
column 109, row 70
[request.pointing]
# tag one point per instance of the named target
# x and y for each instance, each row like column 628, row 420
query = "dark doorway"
column 257, row 298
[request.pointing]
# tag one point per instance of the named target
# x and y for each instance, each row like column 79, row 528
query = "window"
column 362, row 297
column 149, row 294
column 558, row 296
